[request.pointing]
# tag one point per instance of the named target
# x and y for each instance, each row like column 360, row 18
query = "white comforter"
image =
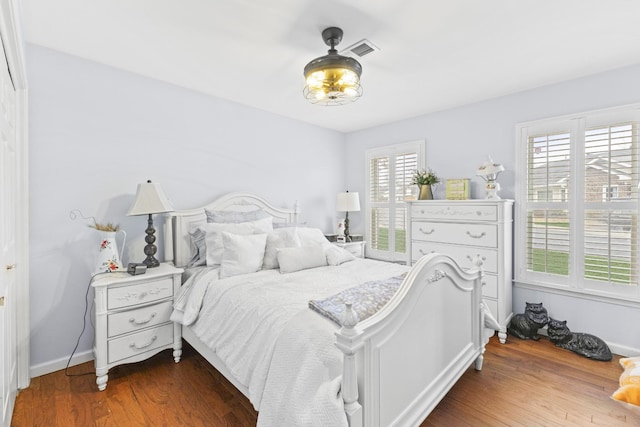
column 260, row 326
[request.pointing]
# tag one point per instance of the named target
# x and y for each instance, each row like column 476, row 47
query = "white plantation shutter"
column 390, row 172
column 548, row 169
column 577, row 225
column 611, row 193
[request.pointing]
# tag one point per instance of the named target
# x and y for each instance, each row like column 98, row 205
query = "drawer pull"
column 427, row 232
column 481, row 257
column 476, row 236
column 424, row 253
column 140, row 347
column 142, row 322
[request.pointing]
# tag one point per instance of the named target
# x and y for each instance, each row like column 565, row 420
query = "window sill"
column 621, row 300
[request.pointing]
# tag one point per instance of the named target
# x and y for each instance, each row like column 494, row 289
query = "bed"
column 300, row 368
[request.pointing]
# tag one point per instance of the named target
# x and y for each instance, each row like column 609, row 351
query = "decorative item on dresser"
column 132, row 318
column 464, row 230
column 150, row 199
column 424, row 179
column 489, row 172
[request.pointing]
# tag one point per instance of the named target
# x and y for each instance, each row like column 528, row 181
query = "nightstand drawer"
column 133, row 320
column 126, row 296
column 459, row 234
column 143, row 341
column 490, row 286
column 355, row 248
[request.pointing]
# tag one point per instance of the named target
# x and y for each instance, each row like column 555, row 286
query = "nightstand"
column 132, row 318
column 356, row 248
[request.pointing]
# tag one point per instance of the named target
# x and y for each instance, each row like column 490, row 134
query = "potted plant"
column 424, row 179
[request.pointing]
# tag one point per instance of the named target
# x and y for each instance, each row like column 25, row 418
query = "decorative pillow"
column 242, row 253
column 199, row 248
column 311, row 236
column 337, row 255
column 280, row 238
column 235, row 216
column 629, row 390
column 214, row 232
column 301, row 258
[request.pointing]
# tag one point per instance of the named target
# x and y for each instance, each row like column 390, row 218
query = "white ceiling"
column 435, row 54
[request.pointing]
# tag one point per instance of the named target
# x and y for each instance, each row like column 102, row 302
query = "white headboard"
column 179, row 223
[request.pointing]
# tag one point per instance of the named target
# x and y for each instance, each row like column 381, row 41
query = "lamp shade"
column 150, row 199
column 348, row 202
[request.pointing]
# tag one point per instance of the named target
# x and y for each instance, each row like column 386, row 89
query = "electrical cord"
column 84, row 326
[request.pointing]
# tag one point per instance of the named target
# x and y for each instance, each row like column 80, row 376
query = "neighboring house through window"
column 390, row 171
column 577, row 203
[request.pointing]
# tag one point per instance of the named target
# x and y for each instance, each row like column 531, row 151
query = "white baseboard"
column 58, row 364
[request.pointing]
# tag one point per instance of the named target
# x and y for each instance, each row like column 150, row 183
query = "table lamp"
column 347, row 202
column 150, row 199
column 489, row 172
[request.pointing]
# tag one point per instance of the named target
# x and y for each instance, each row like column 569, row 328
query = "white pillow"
column 280, row 238
column 311, row 236
column 214, row 232
column 198, row 248
column 296, row 259
column 242, row 253
column 337, row 255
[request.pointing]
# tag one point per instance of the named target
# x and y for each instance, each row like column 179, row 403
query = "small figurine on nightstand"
column 340, row 237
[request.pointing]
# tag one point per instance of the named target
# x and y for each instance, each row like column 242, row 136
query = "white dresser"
column 463, row 229
column 132, row 318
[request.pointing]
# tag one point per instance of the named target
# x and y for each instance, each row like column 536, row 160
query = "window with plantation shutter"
column 390, row 171
column 577, row 216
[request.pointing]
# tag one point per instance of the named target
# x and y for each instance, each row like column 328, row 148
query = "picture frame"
column 458, row 189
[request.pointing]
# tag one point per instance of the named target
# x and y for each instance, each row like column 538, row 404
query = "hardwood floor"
column 523, row 383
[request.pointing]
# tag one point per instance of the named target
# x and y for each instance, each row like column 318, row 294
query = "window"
column 389, row 174
column 577, row 219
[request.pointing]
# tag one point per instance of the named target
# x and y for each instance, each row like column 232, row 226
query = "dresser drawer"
column 126, row 296
column 454, row 213
column 490, row 286
column 139, row 318
column 140, row 342
column 485, row 235
column 462, row 254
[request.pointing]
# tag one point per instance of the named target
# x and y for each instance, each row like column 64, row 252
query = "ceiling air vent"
column 360, row 49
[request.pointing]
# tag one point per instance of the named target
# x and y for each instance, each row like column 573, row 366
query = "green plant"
column 425, row 177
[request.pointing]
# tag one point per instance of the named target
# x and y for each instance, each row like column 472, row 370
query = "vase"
column 425, row 192
column 109, row 259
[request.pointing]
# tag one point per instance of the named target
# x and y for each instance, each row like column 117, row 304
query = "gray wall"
column 96, row 132
column 458, row 141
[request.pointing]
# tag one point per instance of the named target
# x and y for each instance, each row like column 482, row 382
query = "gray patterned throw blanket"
column 366, row 299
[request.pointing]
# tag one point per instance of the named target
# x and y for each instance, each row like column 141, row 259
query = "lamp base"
column 151, row 249
column 492, row 188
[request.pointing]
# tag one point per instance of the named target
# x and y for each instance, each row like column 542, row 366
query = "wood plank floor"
column 523, row 383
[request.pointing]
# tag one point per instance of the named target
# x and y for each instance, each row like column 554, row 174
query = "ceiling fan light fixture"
column 332, row 79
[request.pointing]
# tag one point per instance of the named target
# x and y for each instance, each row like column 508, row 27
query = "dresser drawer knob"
column 143, row 295
column 427, row 232
column 481, row 257
column 140, row 347
column 476, row 236
column 142, row 322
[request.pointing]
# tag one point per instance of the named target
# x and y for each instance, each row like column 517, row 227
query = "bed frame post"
column 349, row 342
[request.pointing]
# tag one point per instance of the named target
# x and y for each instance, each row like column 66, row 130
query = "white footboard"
column 399, row 363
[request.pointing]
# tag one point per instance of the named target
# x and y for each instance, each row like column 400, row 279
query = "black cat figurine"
column 525, row 326
column 586, row 345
